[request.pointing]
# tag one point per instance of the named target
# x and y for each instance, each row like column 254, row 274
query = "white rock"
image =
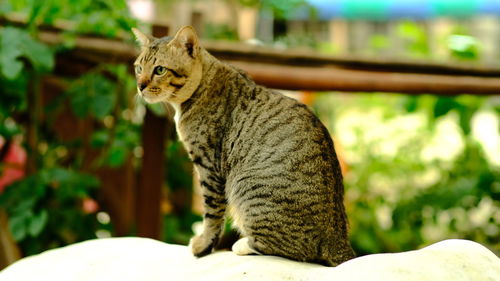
column 142, row 259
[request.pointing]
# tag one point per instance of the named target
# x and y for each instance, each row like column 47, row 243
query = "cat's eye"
column 160, row 70
column 138, row 69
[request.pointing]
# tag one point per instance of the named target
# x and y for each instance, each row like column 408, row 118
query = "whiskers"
column 138, row 100
column 162, row 108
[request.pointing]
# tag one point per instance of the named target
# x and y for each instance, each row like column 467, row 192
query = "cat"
column 262, row 157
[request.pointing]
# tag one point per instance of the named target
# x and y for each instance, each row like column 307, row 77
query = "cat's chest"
column 199, row 145
column 177, row 115
column 199, row 137
column 177, row 118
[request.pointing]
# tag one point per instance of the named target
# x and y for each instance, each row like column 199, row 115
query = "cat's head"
column 168, row 69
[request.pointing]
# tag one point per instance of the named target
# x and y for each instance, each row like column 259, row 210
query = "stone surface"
column 142, row 259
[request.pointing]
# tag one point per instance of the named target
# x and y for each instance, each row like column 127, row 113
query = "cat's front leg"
column 214, row 203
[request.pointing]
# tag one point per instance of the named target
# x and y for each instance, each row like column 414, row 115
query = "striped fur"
column 261, row 157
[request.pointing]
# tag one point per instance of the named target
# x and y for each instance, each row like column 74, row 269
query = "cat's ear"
column 142, row 38
column 187, row 39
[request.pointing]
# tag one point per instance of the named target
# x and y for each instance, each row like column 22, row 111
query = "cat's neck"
column 208, row 73
column 212, row 69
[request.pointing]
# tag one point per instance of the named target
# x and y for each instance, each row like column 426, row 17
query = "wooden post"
column 149, row 221
column 34, row 109
column 152, row 176
column 9, row 251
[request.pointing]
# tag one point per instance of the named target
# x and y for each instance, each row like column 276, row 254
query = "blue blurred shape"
column 489, row 7
column 410, row 9
column 377, row 9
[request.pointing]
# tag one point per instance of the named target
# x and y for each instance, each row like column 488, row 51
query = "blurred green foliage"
column 399, row 197
column 105, row 17
column 282, row 9
column 416, row 174
column 415, row 38
column 220, row 32
column 16, row 44
column 463, row 46
column 178, row 223
column 46, row 208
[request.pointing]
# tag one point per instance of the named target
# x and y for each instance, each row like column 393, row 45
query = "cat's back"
column 270, row 128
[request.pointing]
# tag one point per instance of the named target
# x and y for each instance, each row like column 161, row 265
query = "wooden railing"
column 306, row 70
column 300, row 70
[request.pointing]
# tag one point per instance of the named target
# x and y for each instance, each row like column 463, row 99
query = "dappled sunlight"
column 447, row 141
column 485, row 126
column 402, row 164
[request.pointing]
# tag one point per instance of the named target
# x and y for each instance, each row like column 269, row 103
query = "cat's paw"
column 200, row 246
column 243, row 248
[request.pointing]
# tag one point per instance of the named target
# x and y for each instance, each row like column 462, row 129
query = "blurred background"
column 409, row 91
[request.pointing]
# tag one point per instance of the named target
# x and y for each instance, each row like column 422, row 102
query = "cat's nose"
column 142, row 86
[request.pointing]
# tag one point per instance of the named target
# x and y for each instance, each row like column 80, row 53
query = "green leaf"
column 410, row 104
column 18, row 225
column 38, row 54
column 25, row 205
column 102, row 105
column 78, row 98
column 68, row 184
column 99, row 138
column 10, row 52
column 117, row 156
column 22, row 195
column 92, row 95
column 88, row 181
column 443, row 106
column 36, row 9
column 37, row 223
column 18, row 229
column 466, row 115
column 16, row 43
column 55, row 175
column 414, row 37
column 463, row 46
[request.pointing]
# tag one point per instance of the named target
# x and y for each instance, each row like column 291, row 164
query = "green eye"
column 160, row 70
column 138, row 69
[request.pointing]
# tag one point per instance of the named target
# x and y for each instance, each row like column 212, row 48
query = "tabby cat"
column 260, row 156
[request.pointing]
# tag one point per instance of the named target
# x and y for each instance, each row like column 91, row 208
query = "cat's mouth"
column 156, row 95
column 154, row 90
